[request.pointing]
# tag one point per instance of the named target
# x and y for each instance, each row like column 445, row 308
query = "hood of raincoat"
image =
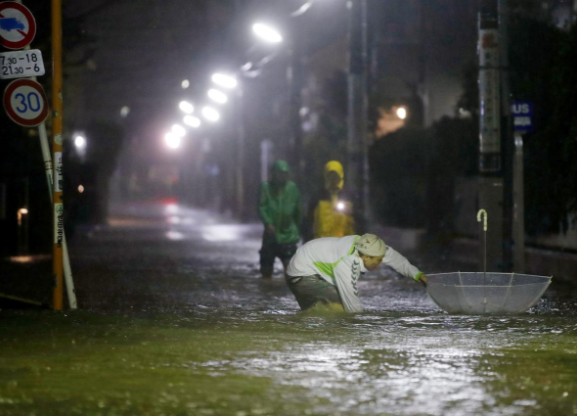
column 281, row 166
column 335, row 166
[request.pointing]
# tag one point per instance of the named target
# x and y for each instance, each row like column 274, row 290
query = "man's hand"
column 270, row 230
column 422, row 279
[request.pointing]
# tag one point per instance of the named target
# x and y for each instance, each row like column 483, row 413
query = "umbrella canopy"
column 486, row 292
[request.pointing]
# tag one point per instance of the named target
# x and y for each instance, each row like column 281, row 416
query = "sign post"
column 523, row 123
column 24, row 100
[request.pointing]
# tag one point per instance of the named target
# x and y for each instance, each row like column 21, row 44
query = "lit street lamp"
column 217, row 96
column 192, row 121
column 22, row 231
column 80, row 142
column 224, row 80
column 178, row 130
column 172, row 140
column 402, row 112
column 186, row 107
column 230, row 82
column 210, row 114
column 267, row 33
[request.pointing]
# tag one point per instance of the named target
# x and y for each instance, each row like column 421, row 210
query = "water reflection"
column 219, row 233
column 191, row 329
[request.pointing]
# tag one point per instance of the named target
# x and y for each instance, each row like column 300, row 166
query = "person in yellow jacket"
column 331, row 212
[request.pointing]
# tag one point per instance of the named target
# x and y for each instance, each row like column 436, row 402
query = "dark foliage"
column 413, row 172
column 549, row 80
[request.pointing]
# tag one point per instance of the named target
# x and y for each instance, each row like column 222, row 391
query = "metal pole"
column 43, row 135
column 490, row 165
column 365, row 177
column 57, row 128
column 507, row 135
column 69, row 281
column 295, row 80
column 240, row 158
column 357, row 100
column 519, row 207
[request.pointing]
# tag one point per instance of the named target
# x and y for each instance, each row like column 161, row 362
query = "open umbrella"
column 486, row 292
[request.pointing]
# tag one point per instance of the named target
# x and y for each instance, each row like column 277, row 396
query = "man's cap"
column 281, row 166
column 371, row 245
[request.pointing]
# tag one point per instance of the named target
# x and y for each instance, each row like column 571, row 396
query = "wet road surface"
column 175, row 319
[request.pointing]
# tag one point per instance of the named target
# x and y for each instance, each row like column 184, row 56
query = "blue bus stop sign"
column 522, row 117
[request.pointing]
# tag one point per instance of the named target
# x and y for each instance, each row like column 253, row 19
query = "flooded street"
column 176, row 320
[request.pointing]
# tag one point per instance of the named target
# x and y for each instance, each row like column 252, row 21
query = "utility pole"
column 295, row 79
column 240, row 157
column 490, row 159
column 57, row 128
column 357, row 145
column 507, row 136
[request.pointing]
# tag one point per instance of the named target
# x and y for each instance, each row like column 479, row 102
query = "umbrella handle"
column 482, row 213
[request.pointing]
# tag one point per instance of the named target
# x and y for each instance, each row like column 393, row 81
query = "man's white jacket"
column 338, row 262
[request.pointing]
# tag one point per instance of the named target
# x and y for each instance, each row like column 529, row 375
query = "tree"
column 549, row 80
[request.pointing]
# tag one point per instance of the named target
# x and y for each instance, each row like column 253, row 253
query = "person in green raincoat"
column 280, row 210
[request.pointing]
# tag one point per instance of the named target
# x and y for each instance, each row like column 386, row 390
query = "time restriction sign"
column 18, row 64
column 25, row 102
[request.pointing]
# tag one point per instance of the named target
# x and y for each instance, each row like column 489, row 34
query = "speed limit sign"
column 25, row 102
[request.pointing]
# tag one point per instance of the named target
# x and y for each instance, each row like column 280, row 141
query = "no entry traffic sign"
column 17, row 25
column 25, row 102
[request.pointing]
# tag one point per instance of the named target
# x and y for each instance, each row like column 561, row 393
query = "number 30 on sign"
column 25, row 102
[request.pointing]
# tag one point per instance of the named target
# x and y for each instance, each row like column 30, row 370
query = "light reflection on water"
column 289, row 363
column 405, row 364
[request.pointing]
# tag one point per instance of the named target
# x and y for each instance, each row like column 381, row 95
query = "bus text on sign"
column 522, row 117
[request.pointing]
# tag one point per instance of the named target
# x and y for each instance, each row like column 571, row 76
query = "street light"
column 80, row 142
column 267, row 33
column 230, row 82
column 172, row 140
column 178, row 130
column 303, row 9
column 217, row 96
column 210, row 114
column 192, row 121
column 186, row 107
column 224, row 80
column 185, row 84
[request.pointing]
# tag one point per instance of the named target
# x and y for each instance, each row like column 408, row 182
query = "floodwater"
column 176, row 321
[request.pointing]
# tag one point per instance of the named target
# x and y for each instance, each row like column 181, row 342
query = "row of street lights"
column 173, row 138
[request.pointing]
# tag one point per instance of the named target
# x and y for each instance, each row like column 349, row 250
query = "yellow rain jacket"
column 331, row 214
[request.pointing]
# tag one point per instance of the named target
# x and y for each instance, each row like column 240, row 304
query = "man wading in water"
column 280, row 210
column 326, row 271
